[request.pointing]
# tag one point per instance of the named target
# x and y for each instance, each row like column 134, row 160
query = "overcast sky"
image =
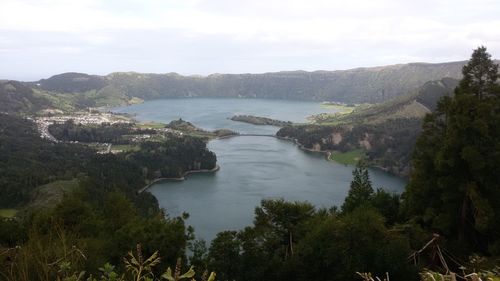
column 40, row 38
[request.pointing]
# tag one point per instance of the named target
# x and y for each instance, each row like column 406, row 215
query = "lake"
column 252, row 168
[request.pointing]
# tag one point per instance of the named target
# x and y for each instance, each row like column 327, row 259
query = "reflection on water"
column 272, row 169
column 252, row 168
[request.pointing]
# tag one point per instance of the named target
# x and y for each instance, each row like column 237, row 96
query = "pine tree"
column 479, row 74
column 360, row 190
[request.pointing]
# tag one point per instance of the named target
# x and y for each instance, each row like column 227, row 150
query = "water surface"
column 252, row 168
column 214, row 113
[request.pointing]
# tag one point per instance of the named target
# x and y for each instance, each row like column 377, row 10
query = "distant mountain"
column 374, row 84
column 16, row 97
column 73, row 82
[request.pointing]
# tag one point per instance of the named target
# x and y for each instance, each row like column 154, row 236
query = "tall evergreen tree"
column 454, row 185
column 360, row 191
column 480, row 74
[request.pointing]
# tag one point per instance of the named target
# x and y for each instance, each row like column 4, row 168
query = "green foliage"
column 27, row 161
column 225, row 254
column 386, row 131
column 140, row 268
column 360, row 191
column 173, row 156
column 17, row 98
column 119, row 133
column 361, row 194
column 358, row 85
column 67, row 264
column 454, row 185
column 388, row 144
column 199, row 256
column 479, row 75
column 88, row 224
column 326, row 246
column 7, row 213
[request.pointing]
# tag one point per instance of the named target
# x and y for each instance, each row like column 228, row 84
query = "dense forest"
column 451, row 200
column 118, row 133
column 375, row 84
column 17, row 98
column 28, row 161
column 388, row 144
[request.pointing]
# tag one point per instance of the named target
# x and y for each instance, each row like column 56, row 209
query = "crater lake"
column 251, row 168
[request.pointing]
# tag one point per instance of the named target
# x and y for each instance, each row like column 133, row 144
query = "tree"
column 456, row 162
column 224, row 255
column 480, row 74
column 360, row 191
column 284, row 219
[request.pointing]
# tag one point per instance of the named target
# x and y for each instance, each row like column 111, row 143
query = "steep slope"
column 413, row 105
column 386, row 131
column 375, row 84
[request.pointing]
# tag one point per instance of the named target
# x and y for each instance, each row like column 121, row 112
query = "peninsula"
column 257, row 120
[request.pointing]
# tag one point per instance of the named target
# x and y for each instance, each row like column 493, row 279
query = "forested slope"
column 386, row 132
column 358, row 85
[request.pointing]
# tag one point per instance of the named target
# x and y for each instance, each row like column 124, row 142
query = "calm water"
column 252, row 168
column 214, row 114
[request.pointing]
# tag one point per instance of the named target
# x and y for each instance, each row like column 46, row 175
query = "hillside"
column 360, row 85
column 386, row 132
column 415, row 104
column 15, row 97
column 73, row 82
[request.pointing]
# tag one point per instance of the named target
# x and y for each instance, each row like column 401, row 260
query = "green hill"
column 415, row 104
column 360, row 85
column 16, row 97
column 386, row 132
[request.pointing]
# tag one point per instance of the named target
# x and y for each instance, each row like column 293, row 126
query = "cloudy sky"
column 39, row 38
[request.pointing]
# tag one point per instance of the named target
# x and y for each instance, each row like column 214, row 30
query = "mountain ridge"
column 357, row 85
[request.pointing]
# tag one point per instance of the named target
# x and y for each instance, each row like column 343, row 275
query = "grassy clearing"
column 342, row 109
column 323, row 118
column 135, row 100
column 7, row 213
column 348, row 158
column 125, row 147
column 52, row 193
column 151, row 125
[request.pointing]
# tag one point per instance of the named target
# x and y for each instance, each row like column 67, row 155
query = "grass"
column 7, row 213
column 342, row 109
column 125, row 147
column 151, row 125
column 52, row 193
column 135, row 100
column 331, row 118
column 348, row 158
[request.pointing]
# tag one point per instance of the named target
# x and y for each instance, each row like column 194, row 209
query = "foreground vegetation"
column 7, row 213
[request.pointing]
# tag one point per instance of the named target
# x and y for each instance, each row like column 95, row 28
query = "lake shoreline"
column 327, row 153
column 181, row 178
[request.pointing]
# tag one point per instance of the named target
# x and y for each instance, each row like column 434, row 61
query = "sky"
column 41, row 38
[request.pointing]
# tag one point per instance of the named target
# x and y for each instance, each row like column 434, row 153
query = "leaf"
column 211, row 277
column 168, row 275
column 153, row 260
column 189, row 274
